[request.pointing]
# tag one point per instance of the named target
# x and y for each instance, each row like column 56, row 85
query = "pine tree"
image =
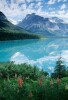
column 60, row 70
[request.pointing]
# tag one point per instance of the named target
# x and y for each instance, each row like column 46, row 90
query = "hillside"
column 8, row 31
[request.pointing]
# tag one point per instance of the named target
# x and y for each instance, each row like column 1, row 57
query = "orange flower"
column 30, row 95
column 20, row 82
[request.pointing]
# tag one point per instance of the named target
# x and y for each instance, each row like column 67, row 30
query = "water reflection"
column 42, row 53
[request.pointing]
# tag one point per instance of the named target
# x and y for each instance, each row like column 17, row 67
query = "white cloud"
column 62, row 1
column 24, row 6
column 59, row 0
column 51, row 1
column 29, row 1
column 16, row 12
column 31, row 5
column 63, row 6
column 39, row 4
column 18, row 1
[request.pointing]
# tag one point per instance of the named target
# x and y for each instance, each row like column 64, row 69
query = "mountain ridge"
column 45, row 26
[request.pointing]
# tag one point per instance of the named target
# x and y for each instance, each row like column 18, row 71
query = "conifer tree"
column 60, row 70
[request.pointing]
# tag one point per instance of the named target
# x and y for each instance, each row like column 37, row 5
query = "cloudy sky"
column 16, row 10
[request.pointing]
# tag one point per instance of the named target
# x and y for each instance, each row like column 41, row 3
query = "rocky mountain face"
column 2, row 16
column 44, row 26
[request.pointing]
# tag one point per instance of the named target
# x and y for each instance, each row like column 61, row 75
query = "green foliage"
column 60, row 69
column 10, row 69
column 36, row 85
column 9, row 90
column 13, row 35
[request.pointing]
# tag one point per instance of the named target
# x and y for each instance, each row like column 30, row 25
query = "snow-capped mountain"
column 44, row 26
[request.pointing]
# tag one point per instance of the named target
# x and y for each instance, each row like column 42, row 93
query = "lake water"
column 43, row 53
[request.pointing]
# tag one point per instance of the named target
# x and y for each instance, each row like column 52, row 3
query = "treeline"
column 11, row 70
column 16, row 36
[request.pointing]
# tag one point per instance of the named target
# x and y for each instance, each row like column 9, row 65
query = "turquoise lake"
column 43, row 53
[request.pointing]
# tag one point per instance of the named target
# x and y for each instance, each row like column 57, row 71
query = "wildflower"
column 58, row 81
column 20, row 82
column 30, row 94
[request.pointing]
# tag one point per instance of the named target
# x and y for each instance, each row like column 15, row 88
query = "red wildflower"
column 20, row 82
